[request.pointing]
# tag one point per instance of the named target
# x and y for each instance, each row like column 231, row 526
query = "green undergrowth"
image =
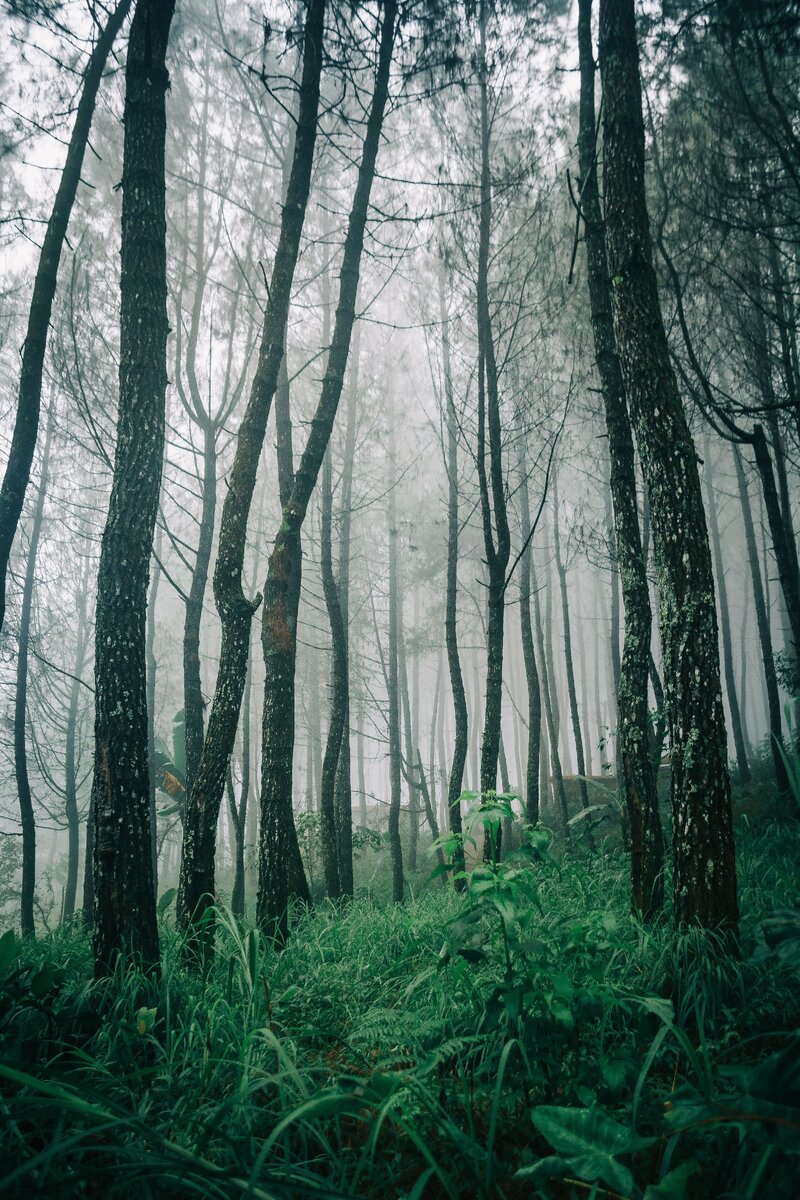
column 526, row 1039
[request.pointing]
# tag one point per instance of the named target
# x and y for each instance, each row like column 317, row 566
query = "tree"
column 704, row 869
column 26, row 811
column 451, row 594
column 631, row 673
column 124, row 900
column 497, row 540
column 279, row 856
column 26, row 425
column 196, row 890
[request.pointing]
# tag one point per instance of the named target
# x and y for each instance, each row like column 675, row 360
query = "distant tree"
column 26, row 425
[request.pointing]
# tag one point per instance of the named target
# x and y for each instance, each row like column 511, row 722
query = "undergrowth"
column 527, row 1039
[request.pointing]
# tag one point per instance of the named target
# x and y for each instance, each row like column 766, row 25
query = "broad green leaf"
column 592, row 1141
column 165, row 900
column 672, row 1186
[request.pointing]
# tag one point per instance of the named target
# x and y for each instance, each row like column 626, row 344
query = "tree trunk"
column 725, row 623
column 569, row 667
column 26, row 425
column 764, row 632
column 26, row 813
column 783, row 543
column 125, row 909
column 70, row 755
column 460, row 717
column 241, row 811
column 393, row 696
column 336, row 723
column 344, row 797
column 704, row 868
column 497, row 540
column 196, row 889
column 279, row 856
column 151, row 669
column 529, row 657
column 634, row 763
column 409, row 731
column 547, row 694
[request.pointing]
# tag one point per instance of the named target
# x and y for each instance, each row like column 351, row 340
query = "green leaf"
column 672, row 1186
column 593, row 1141
column 165, row 900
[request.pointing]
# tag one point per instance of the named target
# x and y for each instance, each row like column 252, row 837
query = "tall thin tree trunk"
column 125, row 909
column 704, row 867
column 634, row 762
column 26, row 812
column 196, row 889
column 29, row 397
column 344, row 797
column 409, row 731
column 496, row 535
column 529, row 657
column 764, row 632
column 336, row 723
column 569, row 667
column 279, row 855
column 152, row 673
column 70, row 750
column 460, row 717
column 547, row 695
column 393, row 697
column 362, row 786
column 241, row 811
column 725, row 622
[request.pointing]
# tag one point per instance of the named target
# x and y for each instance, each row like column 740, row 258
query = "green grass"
column 529, row 1039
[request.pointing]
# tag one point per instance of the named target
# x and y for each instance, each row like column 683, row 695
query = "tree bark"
column 704, row 868
column 725, row 624
column 497, row 540
column 125, row 910
column 634, row 764
column 26, row 813
column 344, row 790
column 529, row 658
column 783, row 544
column 764, row 632
column 196, row 889
column 552, row 730
column 336, row 723
column 460, row 716
column 279, row 855
column 82, row 635
column 26, row 425
column 569, row 667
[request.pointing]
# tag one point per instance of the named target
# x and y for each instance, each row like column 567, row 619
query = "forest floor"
column 526, row 1039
